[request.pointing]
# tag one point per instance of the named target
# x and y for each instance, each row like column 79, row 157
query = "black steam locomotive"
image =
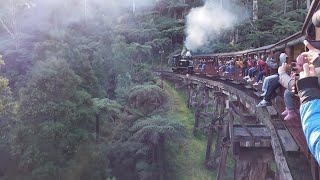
column 183, row 65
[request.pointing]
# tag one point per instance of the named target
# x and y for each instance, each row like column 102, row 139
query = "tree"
column 7, row 104
column 255, row 9
column 107, row 111
column 56, row 122
column 147, row 99
column 9, row 20
column 154, row 132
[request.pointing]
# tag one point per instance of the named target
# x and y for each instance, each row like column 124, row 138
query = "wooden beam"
column 287, row 141
column 237, row 112
column 272, row 111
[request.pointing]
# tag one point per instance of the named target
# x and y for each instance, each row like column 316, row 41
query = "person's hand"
column 308, row 71
column 312, row 54
column 293, row 75
column 282, row 68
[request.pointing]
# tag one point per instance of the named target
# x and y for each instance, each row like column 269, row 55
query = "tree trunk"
column 161, row 158
column 97, row 128
column 12, row 27
column 255, row 9
column 294, row 4
column 154, row 154
column 237, row 35
column 285, row 6
column 85, row 11
column 308, row 4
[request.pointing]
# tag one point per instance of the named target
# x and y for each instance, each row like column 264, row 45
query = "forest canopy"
column 78, row 97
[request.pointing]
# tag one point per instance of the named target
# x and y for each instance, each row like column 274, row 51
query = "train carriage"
column 206, row 65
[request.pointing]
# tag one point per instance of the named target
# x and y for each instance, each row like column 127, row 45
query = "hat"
column 283, row 57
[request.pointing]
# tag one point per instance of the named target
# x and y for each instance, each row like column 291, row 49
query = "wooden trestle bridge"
column 256, row 136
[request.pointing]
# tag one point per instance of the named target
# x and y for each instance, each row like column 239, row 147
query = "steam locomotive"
column 182, row 64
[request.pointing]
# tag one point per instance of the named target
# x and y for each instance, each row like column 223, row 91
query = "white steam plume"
column 206, row 23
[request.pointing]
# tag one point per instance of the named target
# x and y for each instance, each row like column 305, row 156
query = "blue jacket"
column 309, row 92
column 310, row 120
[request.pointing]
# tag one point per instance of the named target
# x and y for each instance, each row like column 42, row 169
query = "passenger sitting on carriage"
column 239, row 63
column 271, row 62
column 203, row 66
column 222, row 66
column 252, row 70
column 230, row 66
column 288, row 82
column 263, row 67
column 268, row 79
column 244, row 69
column 272, row 85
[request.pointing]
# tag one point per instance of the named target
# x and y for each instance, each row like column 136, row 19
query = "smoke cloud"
column 207, row 23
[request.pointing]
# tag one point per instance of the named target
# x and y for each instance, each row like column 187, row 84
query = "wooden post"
column 222, row 165
column 199, row 107
column 289, row 51
column 190, row 91
column 252, row 164
column 211, row 131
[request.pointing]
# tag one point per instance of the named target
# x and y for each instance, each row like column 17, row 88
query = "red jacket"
column 261, row 63
column 265, row 70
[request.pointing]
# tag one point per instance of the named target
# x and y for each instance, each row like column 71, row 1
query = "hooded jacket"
column 282, row 58
column 284, row 79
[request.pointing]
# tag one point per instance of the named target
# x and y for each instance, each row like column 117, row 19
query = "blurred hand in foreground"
column 312, row 54
column 309, row 70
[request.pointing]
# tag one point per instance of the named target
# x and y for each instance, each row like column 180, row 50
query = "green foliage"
column 77, row 77
column 283, row 27
column 159, row 43
column 7, row 106
column 128, row 157
column 50, row 91
column 124, row 85
column 274, row 24
column 131, row 53
column 155, row 132
column 111, row 108
column 155, row 129
column 147, row 99
column 142, row 74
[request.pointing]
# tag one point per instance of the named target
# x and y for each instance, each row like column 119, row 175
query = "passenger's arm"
column 309, row 93
column 284, row 79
